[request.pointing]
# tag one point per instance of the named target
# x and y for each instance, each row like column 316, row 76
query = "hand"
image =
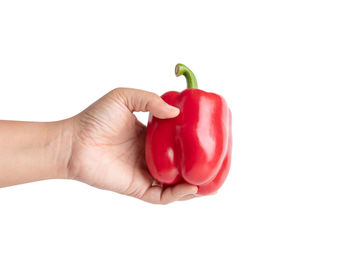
column 108, row 147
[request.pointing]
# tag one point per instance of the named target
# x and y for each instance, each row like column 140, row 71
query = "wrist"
column 59, row 147
column 32, row 151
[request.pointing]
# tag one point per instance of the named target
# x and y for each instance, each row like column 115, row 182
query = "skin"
column 102, row 146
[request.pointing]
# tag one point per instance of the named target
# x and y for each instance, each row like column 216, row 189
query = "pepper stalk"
column 191, row 80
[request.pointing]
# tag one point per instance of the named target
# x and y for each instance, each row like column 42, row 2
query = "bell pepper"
column 194, row 147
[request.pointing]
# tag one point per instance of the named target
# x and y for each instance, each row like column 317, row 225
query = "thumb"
column 142, row 101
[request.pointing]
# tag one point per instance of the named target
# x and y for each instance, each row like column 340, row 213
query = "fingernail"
column 195, row 190
column 188, row 196
column 173, row 109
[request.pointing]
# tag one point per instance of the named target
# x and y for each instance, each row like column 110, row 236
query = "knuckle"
column 116, row 90
column 119, row 94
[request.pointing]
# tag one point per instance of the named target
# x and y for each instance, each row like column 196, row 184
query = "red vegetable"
column 195, row 146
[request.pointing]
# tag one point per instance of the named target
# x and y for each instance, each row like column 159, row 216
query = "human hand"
column 108, row 147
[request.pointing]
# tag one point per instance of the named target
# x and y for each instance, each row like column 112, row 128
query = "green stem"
column 181, row 69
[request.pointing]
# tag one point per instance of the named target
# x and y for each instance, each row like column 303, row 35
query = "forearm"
column 31, row 151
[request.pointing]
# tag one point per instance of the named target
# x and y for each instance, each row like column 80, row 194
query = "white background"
column 284, row 68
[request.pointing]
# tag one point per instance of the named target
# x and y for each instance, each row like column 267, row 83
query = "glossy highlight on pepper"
column 194, row 147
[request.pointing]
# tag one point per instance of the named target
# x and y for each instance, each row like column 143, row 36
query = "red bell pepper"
column 194, row 147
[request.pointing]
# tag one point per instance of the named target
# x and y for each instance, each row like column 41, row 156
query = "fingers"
column 159, row 195
column 140, row 100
